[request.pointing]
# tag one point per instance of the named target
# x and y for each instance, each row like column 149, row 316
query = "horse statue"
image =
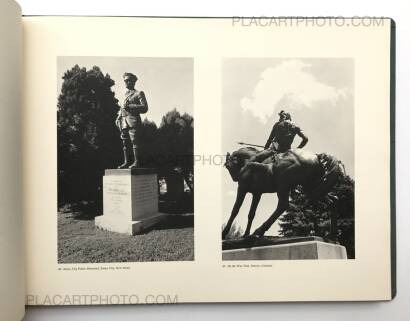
column 279, row 174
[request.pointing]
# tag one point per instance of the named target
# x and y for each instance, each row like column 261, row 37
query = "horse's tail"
column 331, row 171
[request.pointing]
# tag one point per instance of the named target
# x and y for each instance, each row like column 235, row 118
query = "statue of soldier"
column 283, row 134
column 129, row 119
column 281, row 137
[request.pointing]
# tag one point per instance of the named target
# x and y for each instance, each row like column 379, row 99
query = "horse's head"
column 235, row 161
column 233, row 164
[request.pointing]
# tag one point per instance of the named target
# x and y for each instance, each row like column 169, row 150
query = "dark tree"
column 175, row 159
column 304, row 218
column 176, row 142
column 88, row 141
column 147, row 145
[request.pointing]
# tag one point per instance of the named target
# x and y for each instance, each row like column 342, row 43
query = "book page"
column 136, row 128
column 12, row 278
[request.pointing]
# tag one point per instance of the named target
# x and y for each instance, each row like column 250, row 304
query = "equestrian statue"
column 279, row 169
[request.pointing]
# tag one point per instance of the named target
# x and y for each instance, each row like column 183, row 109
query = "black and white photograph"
column 165, row 160
column 288, row 135
column 125, row 131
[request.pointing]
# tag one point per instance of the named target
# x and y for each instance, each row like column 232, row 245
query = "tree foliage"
column 176, row 141
column 170, row 145
column 304, row 218
column 87, row 136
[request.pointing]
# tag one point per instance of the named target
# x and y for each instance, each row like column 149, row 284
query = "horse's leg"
column 255, row 201
column 283, row 204
column 240, row 196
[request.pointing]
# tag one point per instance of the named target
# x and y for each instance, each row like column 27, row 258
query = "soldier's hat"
column 285, row 115
column 282, row 114
column 131, row 76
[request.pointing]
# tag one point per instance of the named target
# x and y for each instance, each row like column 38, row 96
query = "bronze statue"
column 316, row 173
column 283, row 134
column 129, row 119
column 281, row 138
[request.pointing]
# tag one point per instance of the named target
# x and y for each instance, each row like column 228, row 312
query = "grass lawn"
column 79, row 241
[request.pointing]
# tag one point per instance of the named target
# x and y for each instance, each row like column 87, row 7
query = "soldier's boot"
column 135, row 164
column 126, row 161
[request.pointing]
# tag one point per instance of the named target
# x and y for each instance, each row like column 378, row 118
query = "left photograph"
column 125, row 135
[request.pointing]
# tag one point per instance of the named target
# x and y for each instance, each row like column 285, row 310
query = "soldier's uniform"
column 129, row 119
column 282, row 136
column 280, row 139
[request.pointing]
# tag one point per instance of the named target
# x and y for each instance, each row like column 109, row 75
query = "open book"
column 165, row 160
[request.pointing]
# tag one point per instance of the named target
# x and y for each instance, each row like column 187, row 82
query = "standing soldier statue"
column 129, row 119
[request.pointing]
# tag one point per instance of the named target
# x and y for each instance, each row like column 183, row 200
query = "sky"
column 319, row 94
column 166, row 82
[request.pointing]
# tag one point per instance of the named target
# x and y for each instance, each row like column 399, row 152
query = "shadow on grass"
column 88, row 210
column 176, row 221
column 84, row 210
column 184, row 205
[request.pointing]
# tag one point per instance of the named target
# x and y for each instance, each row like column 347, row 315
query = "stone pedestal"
column 130, row 201
column 307, row 248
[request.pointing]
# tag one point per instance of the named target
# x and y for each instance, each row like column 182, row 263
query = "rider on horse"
column 281, row 138
column 256, row 174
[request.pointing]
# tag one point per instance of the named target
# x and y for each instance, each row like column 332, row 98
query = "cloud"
column 286, row 86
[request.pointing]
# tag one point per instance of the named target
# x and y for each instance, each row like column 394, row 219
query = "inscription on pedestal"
column 130, row 201
column 117, row 196
column 144, row 196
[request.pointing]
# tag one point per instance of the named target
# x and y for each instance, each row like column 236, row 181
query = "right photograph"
column 288, row 181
